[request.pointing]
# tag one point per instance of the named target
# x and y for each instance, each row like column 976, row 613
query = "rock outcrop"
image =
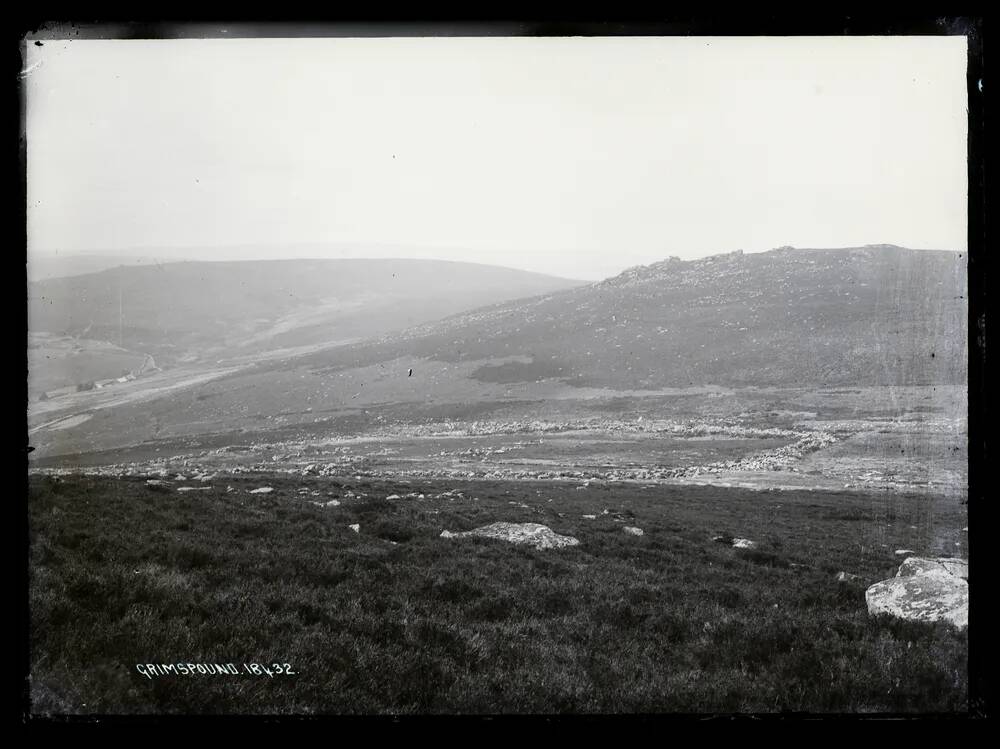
column 531, row 534
column 924, row 590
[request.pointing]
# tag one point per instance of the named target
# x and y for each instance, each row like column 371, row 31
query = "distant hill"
column 43, row 266
column 197, row 310
column 843, row 318
column 875, row 315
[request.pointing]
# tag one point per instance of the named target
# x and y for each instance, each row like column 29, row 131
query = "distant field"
column 61, row 361
column 395, row 619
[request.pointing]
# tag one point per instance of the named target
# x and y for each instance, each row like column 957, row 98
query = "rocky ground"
column 846, row 453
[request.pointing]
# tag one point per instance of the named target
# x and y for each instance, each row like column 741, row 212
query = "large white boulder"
column 924, row 590
column 531, row 534
column 937, row 566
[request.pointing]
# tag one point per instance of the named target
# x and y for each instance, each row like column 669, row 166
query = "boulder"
column 531, row 534
column 957, row 567
column 924, row 590
column 938, row 566
column 904, row 552
column 262, row 490
column 632, row 531
column 736, row 543
column 846, row 577
column 356, row 527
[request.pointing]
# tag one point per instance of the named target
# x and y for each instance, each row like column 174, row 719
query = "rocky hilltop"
column 875, row 315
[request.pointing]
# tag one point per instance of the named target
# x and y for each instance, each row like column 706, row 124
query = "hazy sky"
column 573, row 156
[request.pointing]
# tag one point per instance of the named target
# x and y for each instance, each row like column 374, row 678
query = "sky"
column 578, row 157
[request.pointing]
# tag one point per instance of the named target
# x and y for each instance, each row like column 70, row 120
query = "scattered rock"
column 846, row 577
column 924, row 590
column 736, row 543
column 356, row 527
column 630, row 530
column 262, row 490
column 532, row 534
column 331, row 503
column 156, row 482
column 193, row 488
column 590, row 517
column 393, row 496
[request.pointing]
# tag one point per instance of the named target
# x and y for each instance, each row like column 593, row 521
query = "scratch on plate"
column 28, row 70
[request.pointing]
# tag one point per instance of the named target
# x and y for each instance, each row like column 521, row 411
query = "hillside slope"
column 199, row 310
column 811, row 320
column 878, row 315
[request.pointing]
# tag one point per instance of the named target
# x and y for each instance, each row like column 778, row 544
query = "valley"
column 718, row 459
